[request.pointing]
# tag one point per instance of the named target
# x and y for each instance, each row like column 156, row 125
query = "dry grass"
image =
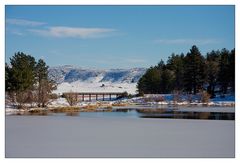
column 37, row 111
column 120, row 104
column 64, row 109
column 88, row 108
column 205, row 97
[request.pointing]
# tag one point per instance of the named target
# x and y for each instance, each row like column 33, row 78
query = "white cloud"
column 61, row 31
column 23, row 22
column 17, row 33
column 14, row 31
column 189, row 41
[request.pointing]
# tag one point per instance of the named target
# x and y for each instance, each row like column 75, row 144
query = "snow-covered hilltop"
column 76, row 79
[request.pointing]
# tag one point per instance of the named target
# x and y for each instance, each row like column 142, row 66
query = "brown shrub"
column 205, row 97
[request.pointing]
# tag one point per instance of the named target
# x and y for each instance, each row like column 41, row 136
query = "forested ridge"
column 191, row 73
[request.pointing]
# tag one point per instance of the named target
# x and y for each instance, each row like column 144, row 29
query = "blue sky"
column 116, row 36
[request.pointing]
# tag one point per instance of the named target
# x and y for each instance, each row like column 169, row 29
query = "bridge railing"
column 98, row 95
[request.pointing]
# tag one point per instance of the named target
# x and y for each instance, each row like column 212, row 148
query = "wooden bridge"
column 97, row 95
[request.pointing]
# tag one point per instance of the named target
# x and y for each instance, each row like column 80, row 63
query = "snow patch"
column 79, row 86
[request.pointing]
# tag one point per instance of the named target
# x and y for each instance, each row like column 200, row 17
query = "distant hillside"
column 71, row 74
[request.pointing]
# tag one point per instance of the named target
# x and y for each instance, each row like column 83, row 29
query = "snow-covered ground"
column 63, row 136
column 79, row 86
column 215, row 105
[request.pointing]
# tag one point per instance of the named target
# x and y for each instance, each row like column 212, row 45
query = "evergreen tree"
column 8, row 77
column 41, row 70
column 22, row 76
column 175, row 63
column 167, row 76
column 212, row 67
column 142, row 85
column 149, row 83
column 224, row 74
column 22, row 69
column 161, row 65
column 232, row 69
column 191, row 73
column 10, row 95
column 44, row 86
column 156, row 80
column 194, row 74
column 166, row 81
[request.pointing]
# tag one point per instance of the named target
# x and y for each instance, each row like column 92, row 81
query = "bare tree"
column 205, row 96
column 44, row 92
column 72, row 98
column 23, row 98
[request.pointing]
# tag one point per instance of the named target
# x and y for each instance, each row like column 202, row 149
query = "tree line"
column 27, row 82
column 191, row 73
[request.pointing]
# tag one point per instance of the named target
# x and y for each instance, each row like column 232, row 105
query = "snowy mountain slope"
column 71, row 74
column 121, row 75
column 58, row 73
column 70, row 78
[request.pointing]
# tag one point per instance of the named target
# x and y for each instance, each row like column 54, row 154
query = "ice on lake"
column 67, row 136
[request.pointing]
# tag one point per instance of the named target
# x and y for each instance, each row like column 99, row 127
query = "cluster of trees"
column 191, row 73
column 26, row 81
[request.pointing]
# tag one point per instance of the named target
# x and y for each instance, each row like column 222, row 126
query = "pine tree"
column 194, row 73
column 166, row 81
column 142, row 85
column 22, row 76
column 10, row 94
column 232, row 69
column 8, row 76
column 149, row 83
column 212, row 66
column 161, row 65
column 191, row 73
column 44, row 86
column 175, row 63
column 224, row 75
column 22, row 71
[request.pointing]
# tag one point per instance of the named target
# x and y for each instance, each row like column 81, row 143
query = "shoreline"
column 148, row 100
column 111, row 105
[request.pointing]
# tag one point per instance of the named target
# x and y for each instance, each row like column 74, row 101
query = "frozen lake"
column 95, row 135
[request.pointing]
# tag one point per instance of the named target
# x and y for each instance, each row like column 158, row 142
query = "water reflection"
column 143, row 112
column 72, row 113
column 178, row 114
